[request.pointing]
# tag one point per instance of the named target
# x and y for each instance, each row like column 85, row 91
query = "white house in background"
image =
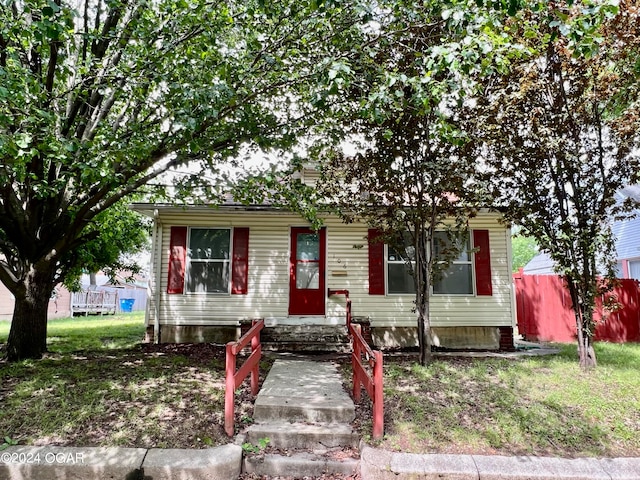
column 627, row 244
column 215, row 268
column 627, row 234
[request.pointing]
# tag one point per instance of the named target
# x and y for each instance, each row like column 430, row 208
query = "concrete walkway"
column 305, row 412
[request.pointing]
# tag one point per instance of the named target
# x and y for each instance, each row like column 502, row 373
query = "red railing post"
column 230, row 387
column 378, row 402
column 356, row 355
column 255, row 371
column 251, row 366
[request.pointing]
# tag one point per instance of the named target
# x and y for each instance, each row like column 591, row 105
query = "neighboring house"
column 627, row 244
column 64, row 303
column 541, row 264
column 215, row 268
column 58, row 305
column 627, row 234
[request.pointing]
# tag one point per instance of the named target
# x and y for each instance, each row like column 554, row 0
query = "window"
column 209, row 258
column 399, row 276
column 308, row 261
column 458, row 278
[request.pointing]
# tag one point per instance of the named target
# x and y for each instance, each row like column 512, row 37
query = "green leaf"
column 24, row 140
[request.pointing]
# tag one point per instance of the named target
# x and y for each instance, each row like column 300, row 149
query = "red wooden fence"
column 544, row 311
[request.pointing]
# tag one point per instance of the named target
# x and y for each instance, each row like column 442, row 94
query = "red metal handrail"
column 372, row 383
column 250, row 366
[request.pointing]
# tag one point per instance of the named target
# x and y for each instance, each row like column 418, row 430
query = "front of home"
column 213, row 269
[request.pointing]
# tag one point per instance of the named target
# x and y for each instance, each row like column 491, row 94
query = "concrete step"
column 302, row 409
column 298, row 465
column 299, row 346
column 310, row 333
column 303, row 391
column 303, row 435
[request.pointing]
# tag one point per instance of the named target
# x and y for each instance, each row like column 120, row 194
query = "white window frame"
column 386, row 272
column 470, row 261
column 227, row 261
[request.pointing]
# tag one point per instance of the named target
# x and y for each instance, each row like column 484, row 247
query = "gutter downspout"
column 514, row 307
column 157, row 256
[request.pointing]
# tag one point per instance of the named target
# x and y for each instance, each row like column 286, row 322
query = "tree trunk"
column 586, row 352
column 421, row 274
column 584, row 329
column 424, row 336
column 28, row 333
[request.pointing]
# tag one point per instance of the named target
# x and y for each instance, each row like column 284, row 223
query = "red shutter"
column 376, row 263
column 177, row 259
column 240, row 264
column 482, row 262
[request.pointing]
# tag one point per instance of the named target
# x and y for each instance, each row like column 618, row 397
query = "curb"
column 225, row 463
column 75, row 463
column 377, row 464
column 297, row 465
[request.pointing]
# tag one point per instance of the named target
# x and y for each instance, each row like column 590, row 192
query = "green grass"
column 107, row 332
column 99, row 386
column 534, row 405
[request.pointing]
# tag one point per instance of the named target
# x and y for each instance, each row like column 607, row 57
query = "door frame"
column 318, row 308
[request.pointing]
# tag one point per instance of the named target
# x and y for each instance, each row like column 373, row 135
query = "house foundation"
column 329, row 338
column 454, row 338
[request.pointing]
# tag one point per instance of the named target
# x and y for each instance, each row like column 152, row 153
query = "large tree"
column 98, row 98
column 401, row 104
column 560, row 134
column 409, row 185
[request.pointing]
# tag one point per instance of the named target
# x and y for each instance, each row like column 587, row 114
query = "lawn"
column 533, row 406
column 99, row 386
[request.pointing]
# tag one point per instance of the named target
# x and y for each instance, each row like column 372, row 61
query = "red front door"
column 307, row 288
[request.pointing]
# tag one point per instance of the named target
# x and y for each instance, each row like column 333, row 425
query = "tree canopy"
column 559, row 133
column 402, row 101
column 98, row 98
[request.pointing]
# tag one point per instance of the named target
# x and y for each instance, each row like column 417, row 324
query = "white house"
column 213, row 268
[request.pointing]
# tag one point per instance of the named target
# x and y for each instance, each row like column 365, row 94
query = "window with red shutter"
column 199, row 260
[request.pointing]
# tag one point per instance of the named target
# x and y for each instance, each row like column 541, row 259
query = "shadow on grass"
column 490, row 406
column 165, row 396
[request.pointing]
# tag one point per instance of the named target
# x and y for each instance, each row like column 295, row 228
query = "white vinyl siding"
column 634, row 269
column 347, row 268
